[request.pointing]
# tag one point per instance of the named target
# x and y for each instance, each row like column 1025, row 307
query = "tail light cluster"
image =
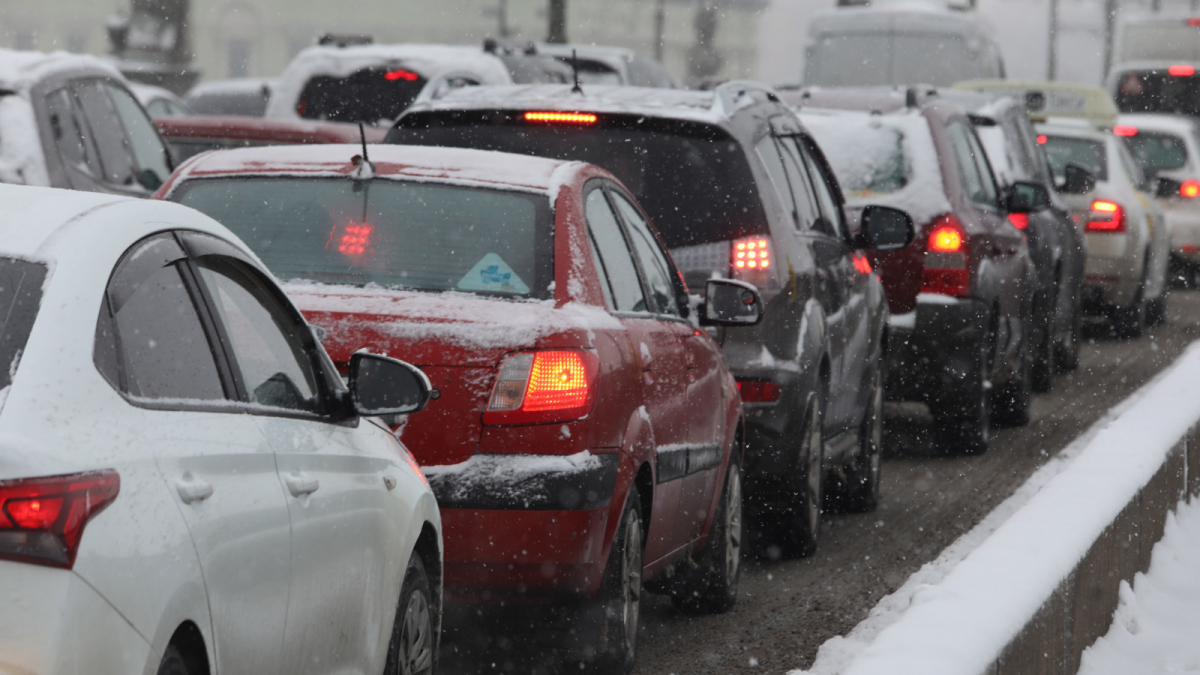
column 543, row 386
column 1190, row 189
column 1019, row 220
column 751, row 259
column 758, row 391
column 1106, row 217
column 42, row 519
column 946, row 271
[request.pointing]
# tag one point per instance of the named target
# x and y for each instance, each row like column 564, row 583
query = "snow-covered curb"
column 959, row 613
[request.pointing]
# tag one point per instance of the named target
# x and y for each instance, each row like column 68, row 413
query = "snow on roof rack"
column 726, row 94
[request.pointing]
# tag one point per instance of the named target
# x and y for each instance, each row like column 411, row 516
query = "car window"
column 1086, row 152
column 654, row 261
column 820, row 186
column 1136, row 176
column 1156, row 151
column 768, row 152
column 802, row 189
column 20, row 298
column 601, row 272
column 116, row 159
column 976, row 183
column 70, row 135
column 369, row 95
column 148, row 147
column 150, row 342
column 614, row 254
column 991, row 194
column 268, row 351
column 158, row 108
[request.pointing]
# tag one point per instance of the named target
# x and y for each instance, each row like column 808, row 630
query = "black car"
column 737, row 188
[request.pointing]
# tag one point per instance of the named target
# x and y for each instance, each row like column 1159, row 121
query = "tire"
column 1156, row 309
column 1043, row 352
column 1067, row 351
column 963, row 423
column 860, row 493
column 712, row 586
column 1130, row 322
column 802, row 526
column 414, row 644
column 173, row 663
column 621, row 594
column 1010, row 407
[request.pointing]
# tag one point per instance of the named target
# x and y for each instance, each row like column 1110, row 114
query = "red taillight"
column 861, row 264
column 560, row 117
column 401, row 74
column 1181, row 71
column 352, row 239
column 1190, row 189
column 1106, row 216
column 1125, row 131
column 946, row 271
column 42, row 519
column 1193, row 21
column 754, row 391
column 1042, row 139
column 543, row 386
column 753, row 253
column 1019, row 220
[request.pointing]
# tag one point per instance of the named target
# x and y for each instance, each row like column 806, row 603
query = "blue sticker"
column 492, row 274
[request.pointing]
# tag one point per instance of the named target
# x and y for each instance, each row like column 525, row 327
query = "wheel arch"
column 189, row 642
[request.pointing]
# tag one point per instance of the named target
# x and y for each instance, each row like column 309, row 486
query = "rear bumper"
column 51, row 622
column 1185, row 230
column 932, row 349
column 1113, row 271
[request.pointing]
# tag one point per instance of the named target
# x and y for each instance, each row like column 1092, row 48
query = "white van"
column 903, row 45
column 1155, row 66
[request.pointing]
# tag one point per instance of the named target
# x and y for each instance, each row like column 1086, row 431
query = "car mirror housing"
column 884, row 229
column 731, row 303
column 1168, row 187
column 1027, row 197
column 1077, row 180
column 384, row 386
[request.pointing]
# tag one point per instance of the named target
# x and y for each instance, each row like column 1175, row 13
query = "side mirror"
column 731, row 303
column 1027, row 197
column 884, row 229
column 384, row 386
column 1168, row 187
column 1077, row 180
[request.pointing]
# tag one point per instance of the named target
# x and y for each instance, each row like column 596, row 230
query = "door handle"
column 192, row 489
column 299, row 484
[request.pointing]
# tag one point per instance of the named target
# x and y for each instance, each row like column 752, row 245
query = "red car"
column 194, row 134
column 584, row 434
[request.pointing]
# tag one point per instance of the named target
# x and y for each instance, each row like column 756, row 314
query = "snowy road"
column 787, row 609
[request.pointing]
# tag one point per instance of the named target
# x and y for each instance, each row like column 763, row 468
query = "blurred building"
column 235, row 38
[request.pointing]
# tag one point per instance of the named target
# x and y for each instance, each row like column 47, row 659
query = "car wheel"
column 173, row 663
column 713, row 585
column 860, row 493
column 964, row 423
column 1011, row 405
column 803, row 525
column 1043, row 353
column 413, row 647
column 1156, row 309
column 621, row 594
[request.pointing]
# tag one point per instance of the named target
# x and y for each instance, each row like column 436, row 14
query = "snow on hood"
column 427, row 60
column 849, row 152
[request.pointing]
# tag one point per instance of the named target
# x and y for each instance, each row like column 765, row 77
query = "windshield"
column 1158, row 151
column 1087, row 153
column 870, row 59
column 420, row 236
column 693, row 179
column 370, row 95
column 1153, row 91
column 866, row 154
column 20, row 297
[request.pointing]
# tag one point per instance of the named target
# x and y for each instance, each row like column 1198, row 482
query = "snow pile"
column 957, row 613
column 516, row 478
column 1156, row 623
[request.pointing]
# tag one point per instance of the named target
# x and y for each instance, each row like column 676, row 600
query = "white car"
column 1127, row 236
column 1168, row 146
column 186, row 485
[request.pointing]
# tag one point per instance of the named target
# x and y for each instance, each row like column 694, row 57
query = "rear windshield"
column 866, row 154
column 243, row 104
column 420, row 236
column 1155, row 91
column 693, row 179
column 1089, row 154
column 20, row 296
column 370, row 95
column 869, row 59
column 1158, row 151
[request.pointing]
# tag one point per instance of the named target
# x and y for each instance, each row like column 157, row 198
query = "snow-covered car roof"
column 235, row 127
column 19, row 71
column 703, row 106
column 913, row 16
column 428, row 60
column 1177, row 124
column 399, row 162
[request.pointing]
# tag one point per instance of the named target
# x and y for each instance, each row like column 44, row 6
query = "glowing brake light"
column 1181, row 71
column 543, row 386
column 861, row 264
column 1193, row 21
column 352, row 240
column 946, row 271
column 42, row 519
column 560, row 117
column 751, row 254
column 1019, row 220
column 1041, row 139
column 1125, row 131
column 755, row 391
column 401, row 74
column 1106, row 216
column 1190, row 189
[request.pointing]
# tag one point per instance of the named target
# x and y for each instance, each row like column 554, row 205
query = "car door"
column 692, row 356
column 337, row 493
column 157, row 345
column 78, row 159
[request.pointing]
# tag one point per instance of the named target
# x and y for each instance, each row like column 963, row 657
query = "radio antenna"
column 575, row 71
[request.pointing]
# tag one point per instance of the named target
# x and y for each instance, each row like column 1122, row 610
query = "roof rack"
column 726, row 94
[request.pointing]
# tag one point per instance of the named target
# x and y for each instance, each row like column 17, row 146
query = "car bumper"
column 932, row 349
column 526, row 528
column 51, row 621
column 1185, row 233
column 1112, row 272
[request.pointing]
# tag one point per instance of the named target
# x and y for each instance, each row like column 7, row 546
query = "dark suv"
column 737, row 188
column 962, row 296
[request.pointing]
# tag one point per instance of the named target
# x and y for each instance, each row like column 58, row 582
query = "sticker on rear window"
column 491, row 273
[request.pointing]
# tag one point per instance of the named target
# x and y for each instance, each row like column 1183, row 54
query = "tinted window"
column 150, row 342
column 268, row 351
column 369, row 95
column 768, row 152
column 654, row 261
column 1157, row 91
column 20, row 297
column 614, row 254
column 420, row 236
column 246, row 104
column 70, row 135
column 147, row 145
column 969, row 156
column 1089, row 154
column 1157, row 151
column 825, row 199
column 115, row 155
